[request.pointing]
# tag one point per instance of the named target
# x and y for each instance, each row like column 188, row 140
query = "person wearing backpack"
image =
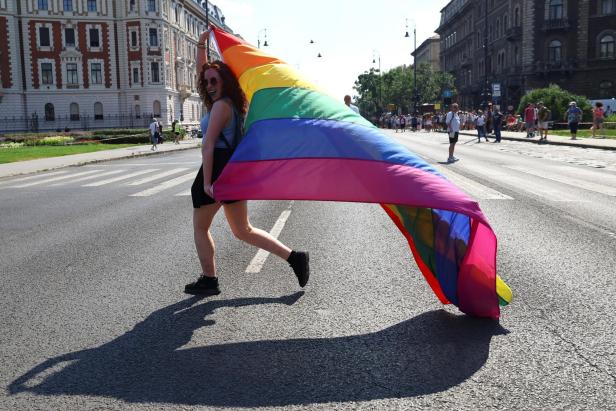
column 543, row 114
column 222, row 130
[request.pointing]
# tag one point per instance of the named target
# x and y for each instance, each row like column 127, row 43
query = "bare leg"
column 202, row 220
column 237, row 216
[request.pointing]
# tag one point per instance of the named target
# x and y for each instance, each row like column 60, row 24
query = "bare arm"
column 220, row 115
column 202, row 49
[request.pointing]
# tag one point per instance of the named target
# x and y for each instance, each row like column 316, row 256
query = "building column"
column 582, row 33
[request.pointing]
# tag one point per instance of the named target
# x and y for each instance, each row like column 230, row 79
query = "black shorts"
column 453, row 139
column 573, row 127
column 199, row 198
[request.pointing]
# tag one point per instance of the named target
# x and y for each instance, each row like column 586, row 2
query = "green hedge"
column 557, row 100
column 132, row 139
column 120, row 132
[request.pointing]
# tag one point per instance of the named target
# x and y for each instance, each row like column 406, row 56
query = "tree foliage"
column 557, row 100
column 378, row 90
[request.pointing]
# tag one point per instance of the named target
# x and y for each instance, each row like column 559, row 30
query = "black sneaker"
column 203, row 286
column 298, row 260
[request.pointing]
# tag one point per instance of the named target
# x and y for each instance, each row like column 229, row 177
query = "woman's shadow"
column 429, row 353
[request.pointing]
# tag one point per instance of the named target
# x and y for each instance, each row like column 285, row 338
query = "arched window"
column 555, row 51
column 156, row 108
column 516, row 17
column 606, row 47
column 98, row 111
column 50, row 112
column 555, row 10
column 608, row 6
column 74, row 110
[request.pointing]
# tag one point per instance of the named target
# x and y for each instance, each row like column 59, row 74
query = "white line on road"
column 88, row 177
column 120, row 178
column 163, row 186
column 49, row 180
column 472, row 188
column 256, row 264
column 156, row 176
column 184, row 193
column 15, row 180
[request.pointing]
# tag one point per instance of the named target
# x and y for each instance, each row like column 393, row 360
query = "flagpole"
column 207, row 27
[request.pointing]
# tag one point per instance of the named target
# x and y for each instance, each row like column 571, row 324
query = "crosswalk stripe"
column 15, row 180
column 163, row 186
column 157, row 176
column 120, row 178
column 49, row 180
column 257, row 262
column 586, row 185
column 471, row 187
column 183, row 193
column 90, row 177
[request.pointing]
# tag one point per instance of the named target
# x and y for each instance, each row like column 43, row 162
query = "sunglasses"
column 213, row 81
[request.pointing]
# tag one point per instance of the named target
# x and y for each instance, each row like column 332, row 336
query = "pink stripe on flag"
column 331, row 179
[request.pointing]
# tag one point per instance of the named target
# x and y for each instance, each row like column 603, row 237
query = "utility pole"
column 486, row 86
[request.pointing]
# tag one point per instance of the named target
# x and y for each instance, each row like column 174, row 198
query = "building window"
column 133, row 39
column 608, row 6
column 74, row 110
column 135, row 75
column 516, row 17
column 44, row 37
column 71, row 73
column 156, row 108
column 606, row 47
column 153, row 37
column 69, row 37
column 91, row 5
column 98, row 111
column 555, row 10
column 155, row 72
column 132, row 5
column 604, row 89
column 94, row 41
column 46, row 73
column 151, row 5
column 555, row 51
column 137, row 111
column 50, row 112
column 68, row 5
column 96, row 73
column 43, row 5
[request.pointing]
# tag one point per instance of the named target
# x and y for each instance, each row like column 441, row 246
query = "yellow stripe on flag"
column 271, row 76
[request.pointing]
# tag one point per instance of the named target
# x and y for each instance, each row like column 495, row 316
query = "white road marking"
column 472, row 188
column 184, row 193
column 583, row 184
column 120, row 178
column 163, row 186
column 257, row 262
column 156, row 176
column 15, row 180
column 49, row 180
column 106, row 173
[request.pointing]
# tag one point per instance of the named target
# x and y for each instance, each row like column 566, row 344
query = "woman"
column 480, row 123
column 226, row 104
column 598, row 116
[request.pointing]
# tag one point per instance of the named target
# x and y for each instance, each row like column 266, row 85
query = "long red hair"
column 230, row 87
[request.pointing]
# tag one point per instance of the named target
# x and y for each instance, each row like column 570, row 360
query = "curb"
column 552, row 142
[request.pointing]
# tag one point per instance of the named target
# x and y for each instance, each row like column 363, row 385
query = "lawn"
column 611, row 133
column 10, row 155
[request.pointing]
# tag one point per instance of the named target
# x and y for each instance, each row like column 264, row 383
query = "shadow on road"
column 429, row 353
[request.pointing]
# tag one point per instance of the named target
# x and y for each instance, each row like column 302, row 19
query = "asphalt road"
column 93, row 315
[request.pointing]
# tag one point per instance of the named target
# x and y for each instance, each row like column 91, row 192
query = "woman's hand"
column 209, row 189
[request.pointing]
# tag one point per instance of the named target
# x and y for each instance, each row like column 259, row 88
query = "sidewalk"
column 43, row 164
column 586, row 142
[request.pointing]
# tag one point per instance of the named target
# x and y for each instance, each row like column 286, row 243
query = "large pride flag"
column 301, row 144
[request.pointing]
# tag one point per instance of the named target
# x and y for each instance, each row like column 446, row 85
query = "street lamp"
column 415, row 94
column 375, row 53
column 264, row 31
column 486, row 93
column 319, row 54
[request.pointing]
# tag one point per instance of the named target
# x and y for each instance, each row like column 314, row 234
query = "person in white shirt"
column 154, row 134
column 347, row 101
column 452, row 121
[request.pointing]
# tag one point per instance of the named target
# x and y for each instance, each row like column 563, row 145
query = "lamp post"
column 415, row 93
column 486, row 86
column 319, row 54
column 375, row 53
column 264, row 31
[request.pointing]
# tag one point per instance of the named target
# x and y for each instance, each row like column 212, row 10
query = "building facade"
column 100, row 63
column 429, row 52
column 530, row 44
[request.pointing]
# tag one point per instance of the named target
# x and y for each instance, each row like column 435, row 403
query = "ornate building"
column 530, row 44
column 429, row 52
column 100, row 63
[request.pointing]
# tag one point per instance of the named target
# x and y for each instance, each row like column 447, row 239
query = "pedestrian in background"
column 543, row 117
column 452, row 121
column 176, row 132
column 154, row 134
column 598, row 116
column 480, row 125
column 226, row 106
column 347, row 101
column 573, row 115
column 497, row 123
column 529, row 120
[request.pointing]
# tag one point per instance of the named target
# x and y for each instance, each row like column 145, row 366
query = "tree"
column 557, row 100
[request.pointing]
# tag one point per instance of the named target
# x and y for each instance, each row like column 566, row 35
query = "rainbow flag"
column 301, row 144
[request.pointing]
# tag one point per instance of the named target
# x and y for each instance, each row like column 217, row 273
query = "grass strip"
column 13, row 154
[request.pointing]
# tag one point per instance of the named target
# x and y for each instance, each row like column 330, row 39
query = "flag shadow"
column 425, row 354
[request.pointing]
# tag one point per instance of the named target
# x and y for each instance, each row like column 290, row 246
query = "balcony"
column 556, row 24
column 562, row 66
column 513, row 33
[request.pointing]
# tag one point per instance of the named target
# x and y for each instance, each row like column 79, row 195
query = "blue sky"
column 347, row 33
